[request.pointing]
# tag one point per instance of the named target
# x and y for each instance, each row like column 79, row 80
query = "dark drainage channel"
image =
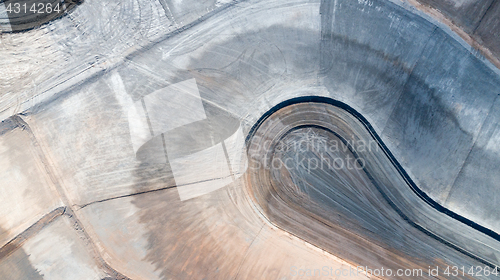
column 22, row 15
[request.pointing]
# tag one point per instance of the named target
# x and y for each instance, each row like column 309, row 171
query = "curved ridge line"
column 421, row 194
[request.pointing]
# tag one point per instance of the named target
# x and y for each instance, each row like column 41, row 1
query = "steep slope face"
column 416, row 83
column 479, row 19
